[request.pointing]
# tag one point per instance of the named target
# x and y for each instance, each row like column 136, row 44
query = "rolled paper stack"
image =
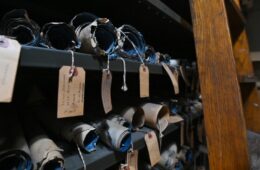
column 115, row 135
column 134, row 116
column 14, row 151
column 131, row 43
column 46, row 155
column 97, row 35
column 59, row 35
column 17, row 24
column 72, row 130
column 156, row 116
column 82, row 134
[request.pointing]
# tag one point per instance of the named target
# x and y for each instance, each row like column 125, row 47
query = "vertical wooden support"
column 244, row 66
column 223, row 112
column 241, row 53
column 250, row 97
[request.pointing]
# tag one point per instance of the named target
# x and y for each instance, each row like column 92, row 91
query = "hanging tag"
column 71, row 92
column 173, row 76
column 153, row 147
column 9, row 57
column 106, row 90
column 132, row 160
column 144, row 81
column 175, row 119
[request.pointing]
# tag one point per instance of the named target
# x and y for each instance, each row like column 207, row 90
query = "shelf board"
column 107, row 156
column 247, row 79
column 236, row 19
column 34, row 57
column 255, row 56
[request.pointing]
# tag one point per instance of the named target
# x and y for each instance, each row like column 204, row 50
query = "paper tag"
column 9, row 57
column 175, row 119
column 173, row 76
column 132, row 160
column 106, row 90
column 71, row 92
column 144, row 81
column 153, row 147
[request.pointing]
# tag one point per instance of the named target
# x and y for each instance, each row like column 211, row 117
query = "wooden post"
column 250, row 95
column 223, row 112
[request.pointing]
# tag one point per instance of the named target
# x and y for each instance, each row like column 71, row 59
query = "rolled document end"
column 116, row 136
column 54, row 165
column 132, row 41
column 98, row 37
column 59, row 35
column 82, row 18
column 134, row 116
column 83, row 135
column 156, row 116
column 46, row 154
column 53, row 162
column 17, row 24
column 87, row 139
column 15, row 160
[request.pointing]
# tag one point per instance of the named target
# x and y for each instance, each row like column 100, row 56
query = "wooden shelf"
column 247, row 79
column 236, row 19
column 42, row 58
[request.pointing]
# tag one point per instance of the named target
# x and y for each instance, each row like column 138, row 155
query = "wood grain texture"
column 250, row 95
column 251, row 102
column 242, row 56
column 223, row 112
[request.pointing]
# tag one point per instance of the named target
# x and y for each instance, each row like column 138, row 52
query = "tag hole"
column 150, row 135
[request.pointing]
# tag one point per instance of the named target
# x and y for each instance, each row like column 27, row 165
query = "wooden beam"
column 250, row 95
column 251, row 102
column 242, row 57
column 223, row 112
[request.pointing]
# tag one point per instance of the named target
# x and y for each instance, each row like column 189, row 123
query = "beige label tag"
column 71, row 92
column 173, row 76
column 9, row 57
column 175, row 119
column 144, row 81
column 153, row 147
column 132, row 160
column 106, row 90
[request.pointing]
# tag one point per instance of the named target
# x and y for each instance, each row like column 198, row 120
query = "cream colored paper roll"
column 156, row 116
column 135, row 116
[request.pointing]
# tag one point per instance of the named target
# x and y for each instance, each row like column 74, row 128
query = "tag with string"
column 143, row 70
column 106, row 88
column 71, row 90
column 9, row 57
column 153, row 147
column 173, row 76
column 124, row 86
column 132, row 160
column 144, row 81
